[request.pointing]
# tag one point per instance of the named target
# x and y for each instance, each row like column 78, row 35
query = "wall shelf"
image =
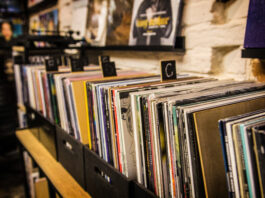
column 179, row 47
column 253, row 53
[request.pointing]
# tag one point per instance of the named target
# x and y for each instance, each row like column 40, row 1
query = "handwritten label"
column 104, row 59
column 168, row 70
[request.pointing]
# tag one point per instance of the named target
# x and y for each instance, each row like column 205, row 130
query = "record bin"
column 71, row 155
column 103, row 180
column 95, row 175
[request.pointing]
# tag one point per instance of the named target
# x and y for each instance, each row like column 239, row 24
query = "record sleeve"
column 211, row 93
column 259, row 142
column 232, row 151
column 255, row 28
column 154, row 22
column 241, row 167
column 249, row 156
column 96, row 29
column 119, row 22
column 210, row 145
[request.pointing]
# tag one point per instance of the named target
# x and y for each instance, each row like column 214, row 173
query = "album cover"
column 259, row 142
column 249, row 155
column 241, row 167
column 119, row 22
column 154, row 22
column 101, row 106
column 208, row 148
column 211, row 94
column 96, row 28
column 231, row 149
column 255, row 29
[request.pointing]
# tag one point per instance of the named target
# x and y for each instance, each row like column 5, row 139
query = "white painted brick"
column 206, row 34
column 196, row 60
column 197, row 12
column 238, row 9
column 233, row 63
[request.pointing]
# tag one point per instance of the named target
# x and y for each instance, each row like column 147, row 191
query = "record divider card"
column 108, row 68
column 76, row 65
column 51, row 64
column 168, row 70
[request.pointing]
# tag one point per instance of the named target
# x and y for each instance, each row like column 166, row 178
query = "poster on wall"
column 96, row 29
column 119, row 22
column 154, row 22
column 32, row 3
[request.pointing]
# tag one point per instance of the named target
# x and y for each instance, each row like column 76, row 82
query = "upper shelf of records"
column 179, row 47
column 60, row 42
column 122, row 25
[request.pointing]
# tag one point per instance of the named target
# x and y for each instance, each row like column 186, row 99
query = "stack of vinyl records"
column 243, row 139
column 163, row 134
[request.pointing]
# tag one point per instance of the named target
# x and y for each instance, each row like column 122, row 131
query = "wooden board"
column 57, row 175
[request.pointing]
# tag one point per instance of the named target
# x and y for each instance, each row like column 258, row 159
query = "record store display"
column 190, row 137
column 134, row 23
column 155, row 22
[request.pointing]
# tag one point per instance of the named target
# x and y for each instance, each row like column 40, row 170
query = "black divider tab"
column 58, row 60
column 76, row 65
column 84, row 61
column 51, row 64
column 109, row 69
column 168, row 70
column 104, row 59
column 71, row 155
column 103, row 180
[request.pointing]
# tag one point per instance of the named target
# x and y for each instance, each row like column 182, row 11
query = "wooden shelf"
column 62, row 181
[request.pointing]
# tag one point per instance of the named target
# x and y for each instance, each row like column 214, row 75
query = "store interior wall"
column 214, row 34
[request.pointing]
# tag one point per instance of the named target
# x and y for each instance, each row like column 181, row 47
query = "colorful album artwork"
column 154, row 22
